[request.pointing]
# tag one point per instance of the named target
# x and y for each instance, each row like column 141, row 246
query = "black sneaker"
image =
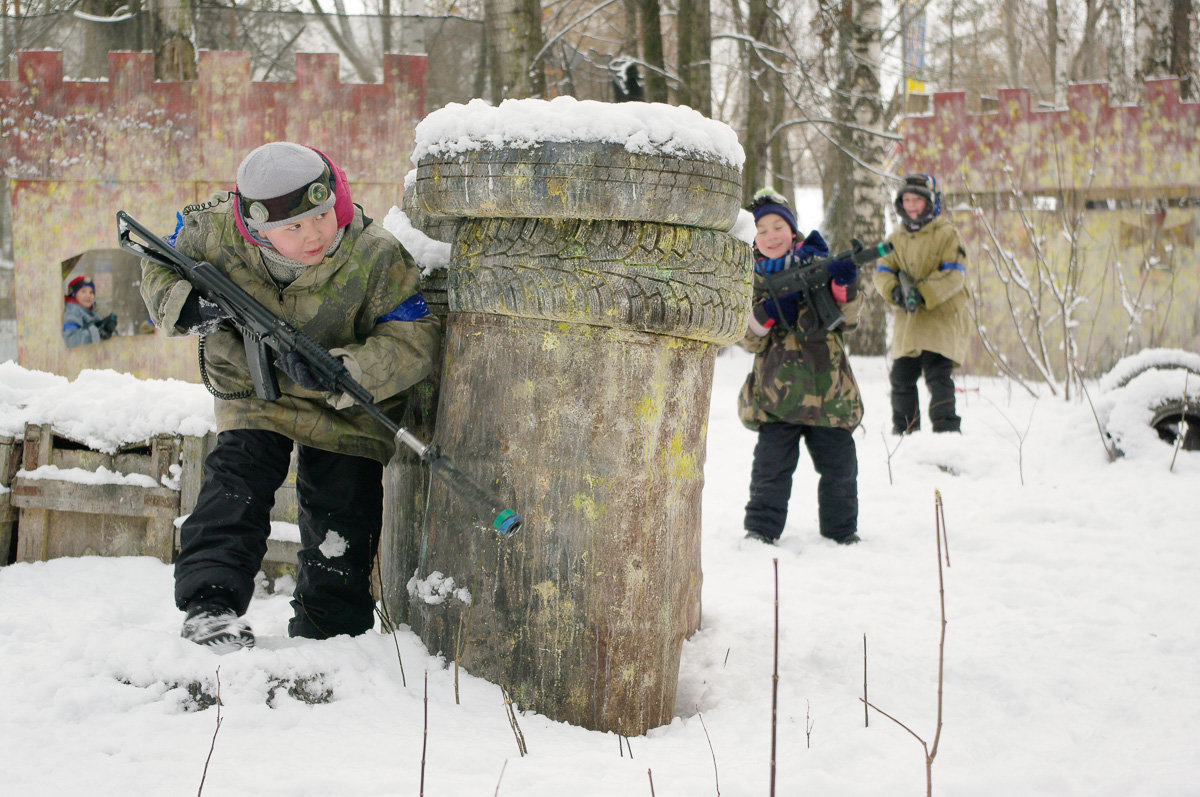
column 759, row 537
column 849, row 539
column 216, row 627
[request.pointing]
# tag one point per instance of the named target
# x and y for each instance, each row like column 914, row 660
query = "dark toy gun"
column 261, row 329
column 910, row 298
column 811, row 280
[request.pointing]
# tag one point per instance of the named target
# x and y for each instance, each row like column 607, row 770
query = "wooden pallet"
column 71, row 518
column 10, row 461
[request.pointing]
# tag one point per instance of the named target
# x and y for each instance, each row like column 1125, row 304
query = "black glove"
column 199, row 316
column 843, row 272
column 107, row 326
column 294, row 366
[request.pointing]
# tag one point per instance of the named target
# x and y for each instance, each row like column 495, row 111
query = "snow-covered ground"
column 1070, row 659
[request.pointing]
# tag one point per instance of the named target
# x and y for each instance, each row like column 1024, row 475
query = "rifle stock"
column 261, row 329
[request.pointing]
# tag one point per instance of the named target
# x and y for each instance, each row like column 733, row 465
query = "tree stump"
column 577, row 373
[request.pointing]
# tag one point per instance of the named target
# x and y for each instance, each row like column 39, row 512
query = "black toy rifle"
column 811, row 280
column 261, row 329
column 910, row 298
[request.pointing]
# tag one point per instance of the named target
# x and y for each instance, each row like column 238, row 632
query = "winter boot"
column 216, row 627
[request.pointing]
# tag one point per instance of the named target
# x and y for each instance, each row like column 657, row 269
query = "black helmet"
column 923, row 185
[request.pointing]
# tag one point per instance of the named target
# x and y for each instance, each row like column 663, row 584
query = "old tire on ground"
column 580, row 180
column 658, row 278
column 1156, row 390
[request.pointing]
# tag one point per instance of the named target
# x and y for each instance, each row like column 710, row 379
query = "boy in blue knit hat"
column 801, row 387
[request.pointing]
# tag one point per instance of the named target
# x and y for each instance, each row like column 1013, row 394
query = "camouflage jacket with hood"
column 348, row 303
column 935, row 259
column 801, row 376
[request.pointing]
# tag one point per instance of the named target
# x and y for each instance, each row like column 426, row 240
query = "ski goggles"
column 308, row 200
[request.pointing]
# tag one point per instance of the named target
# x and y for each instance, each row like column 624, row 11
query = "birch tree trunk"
column 855, row 206
column 1152, row 36
column 514, row 32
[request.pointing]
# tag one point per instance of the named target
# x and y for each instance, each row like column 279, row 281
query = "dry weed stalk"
column 213, row 745
column 775, row 679
column 931, row 750
column 712, row 752
column 891, row 450
column 1183, row 425
column 385, row 622
column 866, row 711
column 1109, row 449
column 808, row 726
column 425, row 735
column 511, row 712
column 1020, row 435
column 503, row 767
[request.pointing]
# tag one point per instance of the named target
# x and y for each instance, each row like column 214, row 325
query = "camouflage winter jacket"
column 353, row 302
column 801, row 377
column 935, row 259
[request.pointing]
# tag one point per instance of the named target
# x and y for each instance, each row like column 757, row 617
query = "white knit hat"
column 282, row 182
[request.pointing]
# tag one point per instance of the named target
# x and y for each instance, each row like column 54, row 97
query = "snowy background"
column 1070, row 661
column 1071, row 650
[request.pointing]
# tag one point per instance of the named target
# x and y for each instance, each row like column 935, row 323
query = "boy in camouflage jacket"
column 801, row 385
column 291, row 237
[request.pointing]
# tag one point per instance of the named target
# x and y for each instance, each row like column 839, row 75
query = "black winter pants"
column 906, row 417
column 224, row 540
column 775, row 458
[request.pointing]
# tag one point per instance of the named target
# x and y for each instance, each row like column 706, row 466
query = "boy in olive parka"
column 290, row 236
column 932, row 323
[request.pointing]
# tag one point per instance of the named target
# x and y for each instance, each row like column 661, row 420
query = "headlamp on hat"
column 307, row 200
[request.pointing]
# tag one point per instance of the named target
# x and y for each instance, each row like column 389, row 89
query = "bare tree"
column 337, row 25
column 694, row 55
column 1182, row 46
column 172, row 34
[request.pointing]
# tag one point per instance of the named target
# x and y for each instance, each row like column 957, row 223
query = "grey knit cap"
column 280, row 183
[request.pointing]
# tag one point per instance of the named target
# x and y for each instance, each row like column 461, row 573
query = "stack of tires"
column 589, row 289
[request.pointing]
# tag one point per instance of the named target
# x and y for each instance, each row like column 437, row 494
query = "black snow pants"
column 906, row 417
column 224, row 540
column 775, row 458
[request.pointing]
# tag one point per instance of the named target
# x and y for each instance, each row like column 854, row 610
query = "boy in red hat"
column 81, row 325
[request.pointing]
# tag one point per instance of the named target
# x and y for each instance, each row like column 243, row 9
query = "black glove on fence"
column 294, row 366
column 199, row 316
